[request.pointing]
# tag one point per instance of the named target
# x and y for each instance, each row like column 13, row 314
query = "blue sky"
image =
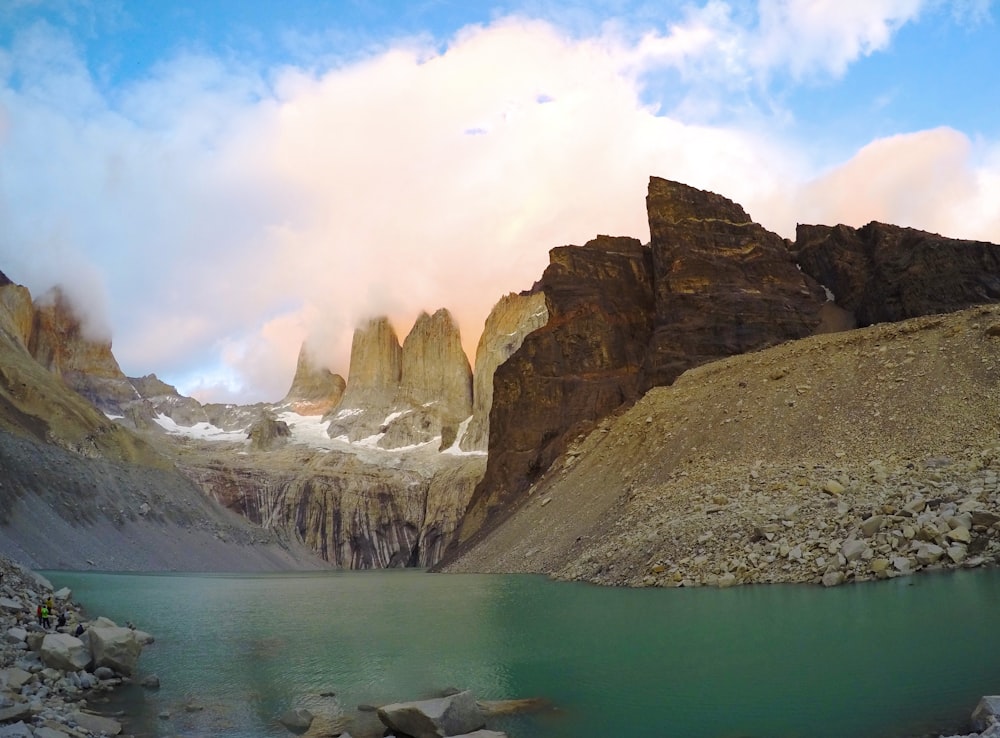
column 216, row 182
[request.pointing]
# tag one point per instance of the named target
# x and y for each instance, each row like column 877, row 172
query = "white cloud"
column 231, row 216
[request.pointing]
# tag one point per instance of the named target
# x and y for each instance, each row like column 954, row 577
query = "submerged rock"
column 454, row 715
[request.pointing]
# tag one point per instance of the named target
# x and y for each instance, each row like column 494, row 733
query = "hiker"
column 38, row 613
column 45, row 616
column 79, row 630
column 61, row 622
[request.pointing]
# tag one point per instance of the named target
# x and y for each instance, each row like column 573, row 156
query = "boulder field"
column 49, row 675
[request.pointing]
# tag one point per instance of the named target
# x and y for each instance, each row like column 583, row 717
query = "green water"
column 881, row 660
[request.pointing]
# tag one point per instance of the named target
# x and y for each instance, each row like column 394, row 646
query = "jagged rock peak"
column 512, row 318
column 315, row 389
column 376, row 357
column 671, row 202
column 57, row 342
column 4, row 279
column 882, row 272
column 153, row 386
column 435, row 368
column 17, row 311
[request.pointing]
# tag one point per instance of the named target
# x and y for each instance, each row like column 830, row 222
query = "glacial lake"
column 905, row 657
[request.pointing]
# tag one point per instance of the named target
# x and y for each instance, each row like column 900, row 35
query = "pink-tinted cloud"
column 230, row 216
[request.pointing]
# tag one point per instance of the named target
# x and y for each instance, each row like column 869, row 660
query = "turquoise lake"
column 905, row 657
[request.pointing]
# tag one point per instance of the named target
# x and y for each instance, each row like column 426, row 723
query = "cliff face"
column 86, row 366
column 887, row 273
column 315, row 389
column 724, row 285
column 77, row 487
column 512, row 318
column 624, row 317
column 711, row 283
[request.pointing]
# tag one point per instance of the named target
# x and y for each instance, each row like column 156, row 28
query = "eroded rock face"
column 315, row 389
column 582, row 364
column 372, row 381
column 58, row 343
column 435, row 369
column 512, row 318
column 885, row 273
column 724, row 284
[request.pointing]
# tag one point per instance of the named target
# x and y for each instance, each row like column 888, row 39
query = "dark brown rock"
column 624, row 317
column 724, row 284
column 887, row 273
column 582, row 364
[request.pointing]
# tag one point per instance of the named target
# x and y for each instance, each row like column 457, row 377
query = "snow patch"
column 455, row 448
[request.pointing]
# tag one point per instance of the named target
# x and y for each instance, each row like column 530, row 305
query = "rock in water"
column 454, row 715
column 115, row 648
column 65, row 652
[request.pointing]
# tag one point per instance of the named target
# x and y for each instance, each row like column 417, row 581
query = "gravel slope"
column 805, row 442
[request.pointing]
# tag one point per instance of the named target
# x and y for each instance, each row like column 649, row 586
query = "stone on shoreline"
column 453, row 715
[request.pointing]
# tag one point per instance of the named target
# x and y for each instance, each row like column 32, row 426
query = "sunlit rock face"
column 16, row 310
column 410, row 395
column 58, row 343
column 372, row 381
column 315, row 389
column 886, row 273
column 512, row 318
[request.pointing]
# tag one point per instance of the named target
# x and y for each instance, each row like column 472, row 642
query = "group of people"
column 45, row 612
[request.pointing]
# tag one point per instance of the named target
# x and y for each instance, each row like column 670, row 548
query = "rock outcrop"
column 723, row 284
column 87, row 366
column 848, row 457
column 512, row 318
column 409, row 395
column 315, row 389
column 884, row 273
column 624, row 317
column 372, row 381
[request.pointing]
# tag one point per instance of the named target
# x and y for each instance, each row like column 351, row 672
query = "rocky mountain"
column 389, row 468
column 315, row 389
column 79, row 490
column 512, row 318
column 852, row 456
column 885, row 273
column 625, row 317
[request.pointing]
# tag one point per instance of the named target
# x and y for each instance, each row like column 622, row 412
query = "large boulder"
column 65, row 652
column 987, row 713
column 115, row 648
column 454, row 715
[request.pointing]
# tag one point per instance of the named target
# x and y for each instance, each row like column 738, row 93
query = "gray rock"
column 47, row 732
column 297, row 720
column 853, row 549
column 10, row 605
column 447, row 716
column 63, row 594
column 151, row 682
column 14, row 678
column 19, row 711
column 987, row 712
column 833, row 578
column 103, row 672
column 17, row 730
column 872, row 525
column 929, row 553
column 64, row 652
column 116, row 648
column 96, row 723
